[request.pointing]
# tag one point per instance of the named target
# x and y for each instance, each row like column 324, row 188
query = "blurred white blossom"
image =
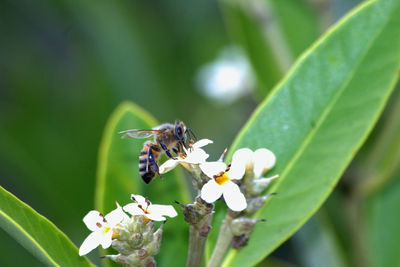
column 228, row 77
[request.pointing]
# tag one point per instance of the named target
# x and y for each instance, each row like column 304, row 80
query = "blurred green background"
column 65, row 65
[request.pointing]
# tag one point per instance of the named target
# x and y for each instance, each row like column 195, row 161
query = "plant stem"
column 196, row 247
column 225, row 237
column 199, row 216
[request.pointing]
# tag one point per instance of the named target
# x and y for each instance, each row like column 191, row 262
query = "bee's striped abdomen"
column 148, row 161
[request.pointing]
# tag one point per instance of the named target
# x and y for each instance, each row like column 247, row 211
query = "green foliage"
column 318, row 117
column 315, row 120
column 37, row 234
column 66, row 65
column 118, row 178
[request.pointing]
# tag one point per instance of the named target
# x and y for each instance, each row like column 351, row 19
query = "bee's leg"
column 166, row 150
column 152, row 162
column 175, row 150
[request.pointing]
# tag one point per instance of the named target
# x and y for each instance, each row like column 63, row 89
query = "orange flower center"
column 221, row 179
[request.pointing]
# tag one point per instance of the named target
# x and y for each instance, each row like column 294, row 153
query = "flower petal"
column 244, row 155
column 242, row 160
column 161, row 210
column 237, row 170
column 197, row 156
column 211, row 191
column 133, row 209
column 139, row 199
column 201, row 143
column 264, row 160
column 115, row 216
column 155, row 217
column 212, row 168
column 91, row 219
column 107, row 239
column 91, row 242
column 168, row 165
column 234, row 199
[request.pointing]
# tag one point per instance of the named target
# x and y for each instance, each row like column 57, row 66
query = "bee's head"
column 180, row 131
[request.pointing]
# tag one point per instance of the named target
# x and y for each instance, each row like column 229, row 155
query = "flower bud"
column 122, row 246
column 255, row 203
column 198, row 212
column 240, row 241
column 137, row 242
column 242, row 225
column 241, row 229
column 261, row 184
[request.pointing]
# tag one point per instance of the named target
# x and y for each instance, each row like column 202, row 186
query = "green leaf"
column 118, row 177
column 37, row 234
column 383, row 220
column 319, row 116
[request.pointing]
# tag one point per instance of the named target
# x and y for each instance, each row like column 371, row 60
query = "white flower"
column 102, row 229
column 153, row 212
column 194, row 155
column 227, row 78
column 221, row 183
column 259, row 161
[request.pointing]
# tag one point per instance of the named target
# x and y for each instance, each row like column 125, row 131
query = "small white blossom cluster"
column 105, row 228
column 222, row 177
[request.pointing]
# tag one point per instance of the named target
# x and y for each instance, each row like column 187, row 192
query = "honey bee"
column 166, row 137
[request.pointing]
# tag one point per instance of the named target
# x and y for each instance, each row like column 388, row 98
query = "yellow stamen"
column 105, row 230
column 221, row 179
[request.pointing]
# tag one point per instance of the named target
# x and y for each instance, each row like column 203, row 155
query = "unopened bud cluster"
column 137, row 242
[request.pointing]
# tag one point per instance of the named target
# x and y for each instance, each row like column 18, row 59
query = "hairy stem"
column 225, row 237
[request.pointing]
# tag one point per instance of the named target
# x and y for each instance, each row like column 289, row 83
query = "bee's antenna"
column 183, row 144
column 191, row 133
column 187, row 132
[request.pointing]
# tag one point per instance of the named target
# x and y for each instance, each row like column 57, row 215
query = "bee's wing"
column 139, row 133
